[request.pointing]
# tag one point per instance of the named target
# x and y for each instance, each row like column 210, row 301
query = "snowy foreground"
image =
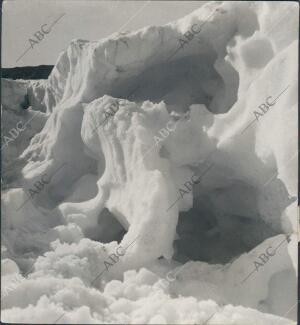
column 153, row 178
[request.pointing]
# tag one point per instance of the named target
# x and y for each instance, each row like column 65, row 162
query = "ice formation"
column 169, row 150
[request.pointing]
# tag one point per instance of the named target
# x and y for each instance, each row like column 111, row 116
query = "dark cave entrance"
column 222, row 224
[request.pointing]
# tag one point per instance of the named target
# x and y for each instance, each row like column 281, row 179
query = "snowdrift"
column 158, row 177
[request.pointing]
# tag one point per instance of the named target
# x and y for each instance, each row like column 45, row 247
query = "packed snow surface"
column 152, row 178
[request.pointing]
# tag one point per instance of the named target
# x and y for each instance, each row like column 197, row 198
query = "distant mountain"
column 38, row 72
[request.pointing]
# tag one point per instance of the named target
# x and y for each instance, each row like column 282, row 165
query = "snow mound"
column 155, row 181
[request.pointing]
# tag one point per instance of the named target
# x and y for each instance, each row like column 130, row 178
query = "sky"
column 84, row 19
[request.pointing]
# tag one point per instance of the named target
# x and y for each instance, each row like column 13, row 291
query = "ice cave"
column 177, row 207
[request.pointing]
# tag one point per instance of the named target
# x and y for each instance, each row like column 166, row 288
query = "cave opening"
column 191, row 79
column 108, row 229
column 222, row 224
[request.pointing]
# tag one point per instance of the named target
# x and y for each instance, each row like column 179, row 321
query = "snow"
column 119, row 127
